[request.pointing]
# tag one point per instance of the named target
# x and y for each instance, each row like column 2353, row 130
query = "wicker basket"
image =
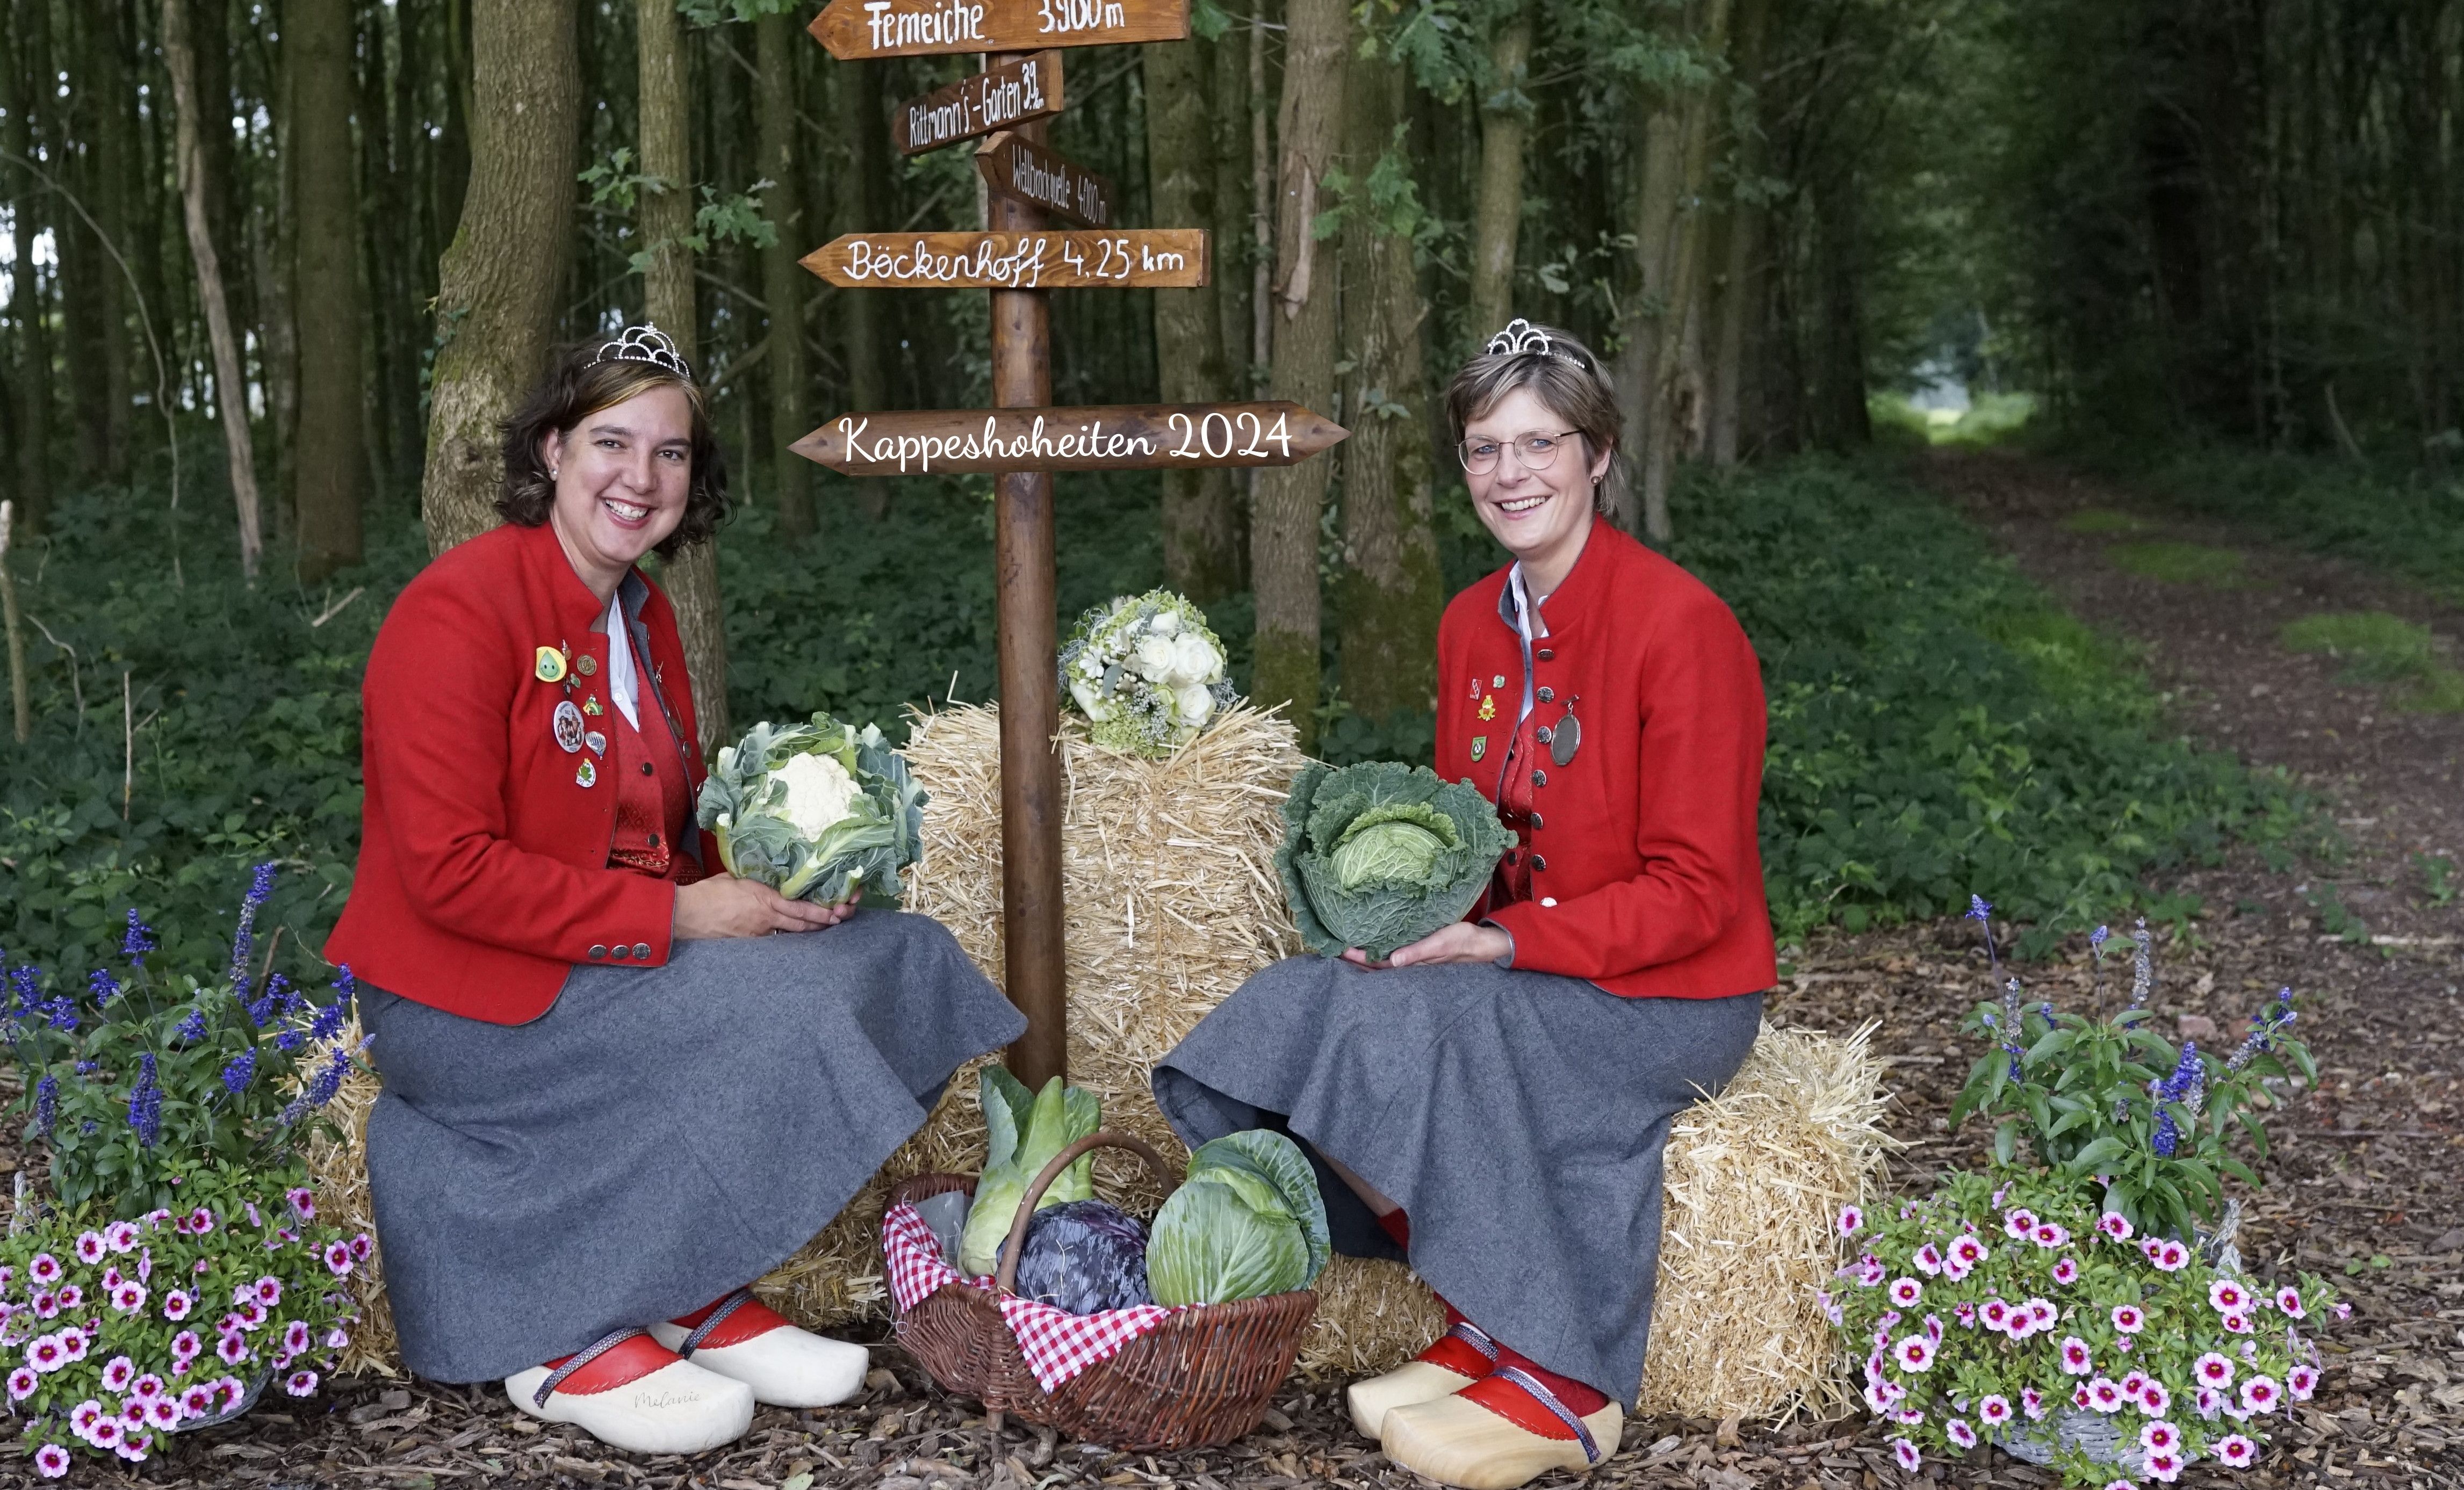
column 1206, row 1376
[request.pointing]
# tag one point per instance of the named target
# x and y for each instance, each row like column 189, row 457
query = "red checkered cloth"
column 1057, row 1343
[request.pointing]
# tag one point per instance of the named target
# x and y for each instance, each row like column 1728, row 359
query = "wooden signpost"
column 1019, row 167
column 1146, row 259
column 1022, row 440
column 1018, row 90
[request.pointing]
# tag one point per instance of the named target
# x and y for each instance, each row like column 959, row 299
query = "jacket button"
column 599, row 954
column 1548, row 654
column 648, row 769
column 1539, row 778
column 622, row 952
column 1547, row 693
column 1536, row 824
column 1509, row 856
column 654, row 840
column 640, row 952
column 1538, row 863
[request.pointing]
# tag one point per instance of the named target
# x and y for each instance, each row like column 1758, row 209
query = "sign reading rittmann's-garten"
column 1018, row 90
column 1144, row 258
column 1119, row 438
column 854, row 29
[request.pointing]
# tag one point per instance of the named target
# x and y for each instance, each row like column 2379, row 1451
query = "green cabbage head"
column 1249, row 1222
column 815, row 811
column 1378, row 855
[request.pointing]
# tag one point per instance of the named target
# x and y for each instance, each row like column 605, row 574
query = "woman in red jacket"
column 1492, row 1101
column 613, row 1095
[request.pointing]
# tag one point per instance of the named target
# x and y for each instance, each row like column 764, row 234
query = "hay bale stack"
column 339, row 1172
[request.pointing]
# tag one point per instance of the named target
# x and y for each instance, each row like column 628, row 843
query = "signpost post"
column 1022, row 440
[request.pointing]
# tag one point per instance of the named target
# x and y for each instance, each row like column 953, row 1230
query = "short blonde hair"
column 1566, row 376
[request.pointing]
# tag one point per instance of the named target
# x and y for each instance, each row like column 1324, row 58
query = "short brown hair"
column 577, row 387
column 1568, row 379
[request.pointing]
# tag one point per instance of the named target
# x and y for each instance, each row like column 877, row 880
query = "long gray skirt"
column 1517, row 1117
column 658, row 1137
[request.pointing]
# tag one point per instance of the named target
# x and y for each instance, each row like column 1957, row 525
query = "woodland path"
column 2367, row 1173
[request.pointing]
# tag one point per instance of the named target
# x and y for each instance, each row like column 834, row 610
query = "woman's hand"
column 1464, row 941
column 727, row 906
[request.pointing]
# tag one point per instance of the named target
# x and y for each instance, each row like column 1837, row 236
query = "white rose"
column 1195, row 702
column 818, row 791
column 1165, row 623
column 1091, row 700
column 1154, row 657
column 1195, row 660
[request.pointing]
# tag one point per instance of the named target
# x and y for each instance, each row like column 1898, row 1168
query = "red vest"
column 484, row 872
column 1636, row 863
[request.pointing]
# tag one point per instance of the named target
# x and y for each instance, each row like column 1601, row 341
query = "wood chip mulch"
column 2363, row 1182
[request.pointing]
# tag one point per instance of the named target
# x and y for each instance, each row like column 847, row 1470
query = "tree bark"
column 782, row 278
column 1283, row 529
column 329, row 461
column 1391, row 591
column 230, row 387
column 871, row 316
column 1201, row 512
column 1739, row 291
column 1643, row 510
column 498, row 281
column 21, row 63
column 1497, row 213
column 666, row 220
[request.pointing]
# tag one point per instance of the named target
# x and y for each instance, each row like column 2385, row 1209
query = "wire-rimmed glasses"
column 1536, row 452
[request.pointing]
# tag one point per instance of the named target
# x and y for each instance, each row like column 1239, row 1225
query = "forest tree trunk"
column 782, row 278
column 329, row 463
column 869, row 314
column 1201, row 512
column 1391, row 591
column 1284, row 528
column 1497, row 213
column 498, row 281
column 667, row 219
column 230, row 387
column 1651, row 346
column 20, row 64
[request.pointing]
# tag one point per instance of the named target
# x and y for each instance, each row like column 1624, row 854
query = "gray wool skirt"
column 1518, row 1118
column 658, row 1137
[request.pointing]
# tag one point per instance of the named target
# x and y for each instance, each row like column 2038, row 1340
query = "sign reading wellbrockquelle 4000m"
column 854, row 29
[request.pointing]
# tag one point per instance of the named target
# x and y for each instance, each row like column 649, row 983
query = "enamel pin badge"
column 568, row 726
column 1479, row 747
column 547, row 665
column 596, row 742
column 588, row 776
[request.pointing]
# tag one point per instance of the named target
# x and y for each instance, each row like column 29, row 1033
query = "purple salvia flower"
column 103, row 986
column 244, row 937
column 240, row 1072
column 139, row 940
column 192, row 1028
column 47, row 1105
column 146, row 1103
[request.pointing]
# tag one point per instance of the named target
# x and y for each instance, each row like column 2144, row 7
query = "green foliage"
column 2176, row 562
column 2438, row 877
column 2378, row 648
column 2004, row 1298
column 1991, row 418
column 1935, row 724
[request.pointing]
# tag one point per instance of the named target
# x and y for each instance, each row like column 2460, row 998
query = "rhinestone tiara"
column 646, row 343
column 1522, row 339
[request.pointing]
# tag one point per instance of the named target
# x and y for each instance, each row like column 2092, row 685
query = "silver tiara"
column 1522, row 339
column 646, row 343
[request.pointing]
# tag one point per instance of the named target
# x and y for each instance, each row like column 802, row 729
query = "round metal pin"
column 1565, row 740
column 596, row 742
column 585, row 665
column 568, row 726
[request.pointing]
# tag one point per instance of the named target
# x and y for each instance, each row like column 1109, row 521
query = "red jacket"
column 1646, row 872
column 483, row 872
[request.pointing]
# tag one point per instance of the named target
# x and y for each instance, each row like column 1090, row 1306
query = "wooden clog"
column 1456, row 1441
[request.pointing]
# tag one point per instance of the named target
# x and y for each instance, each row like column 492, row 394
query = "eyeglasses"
column 1536, row 450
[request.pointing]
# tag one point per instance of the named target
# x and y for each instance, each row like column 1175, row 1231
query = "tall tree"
column 21, row 68
column 667, row 224
column 1497, row 215
column 1392, row 592
column 499, row 282
column 1201, row 510
column 1741, row 293
column 196, row 194
column 868, row 317
column 776, row 40
column 329, row 460
column 1283, row 526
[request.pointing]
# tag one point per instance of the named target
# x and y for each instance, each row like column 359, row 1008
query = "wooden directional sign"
column 1145, row 258
column 853, row 28
column 1019, row 168
column 1119, row 438
column 1018, row 90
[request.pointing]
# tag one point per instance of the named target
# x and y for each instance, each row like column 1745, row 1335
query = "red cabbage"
column 1085, row 1256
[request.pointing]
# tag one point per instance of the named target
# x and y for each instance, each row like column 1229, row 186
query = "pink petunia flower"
column 73, row 1345
column 303, row 1202
column 2155, row 1399
column 121, row 1236
column 148, row 1386
column 2049, row 1235
column 2121, row 1484
column 1879, row 1395
column 1995, row 1314
column 1909, row 1416
column 186, row 1346
column 44, row 1354
column 2114, row 1225
column 2152, row 1247
column 1851, row 1220
column 300, row 1384
column 1907, row 1456
column 2018, row 1224
column 22, row 1383
column 297, row 1337
column 2066, row 1271
column 128, row 1298
column 1915, row 1353
column 1933, row 1328
column 2104, row 1395
column 1994, row 1409
column 2172, row 1256
column 90, row 1249
column 2033, row 1403
column 2237, row 1324
column 2165, row 1468
column 83, row 1416
column 2343, row 1310
column 2160, row 1437
column 268, row 1291
column 201, row 1221
column 1928, row 1260
column 132, row 1411
column 251, row 1314
column 145, row 1264
column 112, row 1278
column 2227, row 1296
column 2209, row 1402
column 1965, row 1314
column 2043, row 1313
column 163, row 1413
column 1906, row 1292
column 133, row 1447
column 2082, row 1398
column 2212, row 1371
column 52, row 1461
column 46, row 1305
column 45, row 1268
column 1966, row 1251
column 2134, row 1386
column 2128, row 1319
column 338, row 1339
column 176, row 1304
column 117, row 1373
column 2301, row 1381
column 106, row 1433
column 2261, row 1393
column 361, row 1245
column 2235, row 1451
column 72, row 1295
column 197, row 1402
column 233, row 1349
column 2289, row 1299
column 1955, row 1270
column 1959, row 1432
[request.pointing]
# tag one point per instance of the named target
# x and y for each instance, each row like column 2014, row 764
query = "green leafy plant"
column 2176, row 562
column 2438, row 877
column 2103, row 1096
column 1247, row 1222
column 2002, row 1301
column 126, row 1329
column 819, row 811
column 1378, row 855
column 2378, row 648
column 1024, row 1132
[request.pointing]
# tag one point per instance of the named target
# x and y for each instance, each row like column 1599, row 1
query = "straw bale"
column 339, row 1172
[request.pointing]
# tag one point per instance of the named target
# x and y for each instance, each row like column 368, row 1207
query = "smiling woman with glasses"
column 1491, row 1102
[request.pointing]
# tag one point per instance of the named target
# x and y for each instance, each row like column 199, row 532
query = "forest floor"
column 2365, row 1183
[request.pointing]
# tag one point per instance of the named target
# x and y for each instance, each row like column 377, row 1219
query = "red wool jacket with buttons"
column 483, row 873
column 1644, row 869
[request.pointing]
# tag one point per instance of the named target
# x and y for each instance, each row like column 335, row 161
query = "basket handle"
column 1103, row 1138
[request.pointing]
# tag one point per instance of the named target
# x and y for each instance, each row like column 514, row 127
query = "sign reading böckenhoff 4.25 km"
column 853, row 28
column 1136, row 258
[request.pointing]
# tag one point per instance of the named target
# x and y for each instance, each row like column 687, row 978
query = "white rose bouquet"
column 815, row 811
column 1146, row 673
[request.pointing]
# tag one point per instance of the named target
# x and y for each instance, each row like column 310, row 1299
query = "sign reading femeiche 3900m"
column 853, row 28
